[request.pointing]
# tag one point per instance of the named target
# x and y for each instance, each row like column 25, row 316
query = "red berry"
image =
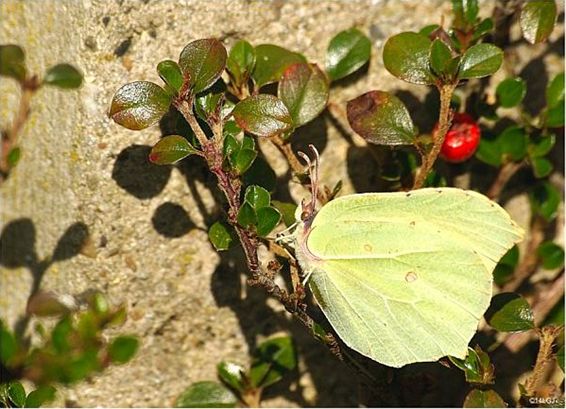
column 462, row 139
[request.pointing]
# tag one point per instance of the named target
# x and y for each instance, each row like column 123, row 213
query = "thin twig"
column 285, row 148
column 506, row 172
column 547, row 336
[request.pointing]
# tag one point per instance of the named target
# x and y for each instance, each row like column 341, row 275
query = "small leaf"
column 14, row 156
column 221, row 236
column 541, row 145
column 381, row 118
column 122, row 349
column 272, row 359
column 555, row 116
column 513, row 143
column 478, row 398
column 555, row 91
column 241, row 61
column 263, row 115
column 170, row 72
column 139, row 104
column 257, row 197
column 482, row 28
column 506, row 266
column 551, row 254
column 304, row 90
column 12, row 62
column 63, row 76
column 203, row 61
column 17, row 394
column 232, row 375
column 406, row 56
column 99, row 303
column 542, row 167
column 41, row 395
column 509, row 312
column 271, row 62
column 207, row 105
column 287, row 211
column 206, row 394
column 489, row 151
column 8, row 344
column 246, row 215
column 45, row 304
column 171, row 149
column 60, row 335
column 347, row 52
column 440, row 57
column 537, row 20
column 244, row 160
column 480, row 60
column 510, row 92
column 267, row 219
column 465, row 12
column 545, row 199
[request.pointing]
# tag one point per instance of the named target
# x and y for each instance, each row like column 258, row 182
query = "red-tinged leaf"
column 263, row 115
column 271, row 62
column 203, row 61
column 478, row 398
column 171, row 149
column 139, row 104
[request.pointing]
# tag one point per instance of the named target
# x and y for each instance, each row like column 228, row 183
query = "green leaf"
column 17, row 394
column 263, row 115
column 170, row 72
column 221, row 236
column 272, row 359
column 60, row 335
column 542, row 167
column 555, row 91
column 232, row 375
column 541, row 145
column 506, row 266
column 480, row 60
column 139, row 104
column 304, row 91
column 99, row 303
column 381, row 118
column 537, row 20
column 41, row 395
column 207, row 105
column 241, row 61
column 428, row 30
column 465, row 12
column 482, row 28
column 479, row 398
column 406, row 56
column 555, row 116
column 170, row 149
column 244, row 160
column 267, row 219
column 510, row 92
column 489, row 151
column 560, row 357
column 12, row 62
column 257, row 197
column 206, row 394
column 513, row 143
column 122, row 349
column 247, row 215
column 271, row 62
column 440, row 57
column 14, row 156
column 287, row 211
column 545, row 199
column 551, row 254
column 260, row 173
column 509, row 312
column 63, row 76
column 347, row 52
column 8, row 344
column 203, row 61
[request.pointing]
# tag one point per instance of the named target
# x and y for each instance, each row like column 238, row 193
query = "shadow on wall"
column 17, row 249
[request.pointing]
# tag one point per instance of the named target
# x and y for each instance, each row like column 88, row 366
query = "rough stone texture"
column 185, row 301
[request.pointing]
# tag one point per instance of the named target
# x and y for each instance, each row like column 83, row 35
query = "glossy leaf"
column 440, row 57
column 287, row 211
column 537, row 20
column 540, row 145
column 509, row 312
column 208, row 104
column 271, row 62
column 480, row 60
column 555, row 91
column 267, row 219
column 232, row 375
column 241, row 61
column 257, row 197
column 244, row 160
column 381, row 118
column 8, row 344
column 551, row 254
column 203, row 61
column 347, row 52
column 406, row 56
column 63, row 76
column 122, row 349
column 263, row 115
column 170, row 149
column 139, row 104
column 304, row 91
column 479, row 398
column 17, row 394
column 545, row 200
column 510, row 92
column 513, row 143
column 40, row 396
column 246, row 215
column 542, row 167
column 272, row 359
column 171, row 74
column 220, row 235
column 482, row 28
column 506, row 266
column 206, row 394
column 12, row 62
